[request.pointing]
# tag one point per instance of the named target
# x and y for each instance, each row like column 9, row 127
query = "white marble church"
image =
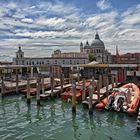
column 97, row 47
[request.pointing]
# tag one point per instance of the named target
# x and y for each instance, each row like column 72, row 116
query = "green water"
column 54, row 121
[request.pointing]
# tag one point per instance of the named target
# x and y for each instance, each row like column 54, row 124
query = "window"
column 22, row 62
column 32, row 62
column 55, row 62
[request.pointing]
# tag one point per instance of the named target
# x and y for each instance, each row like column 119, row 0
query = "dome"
column 97, row 42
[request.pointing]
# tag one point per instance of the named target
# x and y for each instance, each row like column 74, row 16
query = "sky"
column 42, row 26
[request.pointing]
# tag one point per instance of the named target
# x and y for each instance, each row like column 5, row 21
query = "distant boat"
column 123, row 99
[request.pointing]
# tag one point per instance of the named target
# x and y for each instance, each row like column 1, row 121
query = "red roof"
column 5, row 63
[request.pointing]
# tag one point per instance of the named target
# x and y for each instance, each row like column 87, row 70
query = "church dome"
column 97, row 42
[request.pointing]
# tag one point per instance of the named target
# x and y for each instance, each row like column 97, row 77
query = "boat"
column 123, row 99
column 67, row 95
column 32, row 91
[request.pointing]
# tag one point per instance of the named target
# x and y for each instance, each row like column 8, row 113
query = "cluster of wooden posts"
column 102, row 82
column 101, row 86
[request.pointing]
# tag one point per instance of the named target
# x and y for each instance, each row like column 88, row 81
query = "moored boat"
column 125, row 99
column 67, row 95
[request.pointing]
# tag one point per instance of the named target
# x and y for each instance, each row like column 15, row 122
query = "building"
column 97, row 47
column 67, row 60
column 20, row 59
column 58, row 53
column 128, row 58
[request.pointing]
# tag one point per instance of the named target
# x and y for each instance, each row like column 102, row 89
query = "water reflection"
column 17, row 107
column 75, row 127
column 3, row 107
column 38, row 114
column 52, row 111
column 63, row 109
column 116, row 119
column 85, row 119
column 92, row 124
column 28, row 115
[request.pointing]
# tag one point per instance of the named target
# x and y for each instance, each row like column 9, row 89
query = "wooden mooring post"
column 42, row 85
column 2, row 86
column 38, row 91
column 83, row 90
column 62, row 81
column 91, row 91
column 17, row 81
column 116, row 80
column 107, row 86
column 78, row 75
column 99, row 83
column 112, row 81
column 28, row 91
column 73, row 97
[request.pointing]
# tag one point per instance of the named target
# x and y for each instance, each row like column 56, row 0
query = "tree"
column 91, row 57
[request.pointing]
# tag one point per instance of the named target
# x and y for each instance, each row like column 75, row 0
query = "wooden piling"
column 78, row 75
column 31, row 72
column 98, row 90
column 62, row 82
column 83, row 90
column 112, row 81
column 38, row 91
column 42, row 85
column 116, row 80
column 52, row 84
column 100, row 81
column 17, row 81
column 2, row 86
column 91, row 91
column 73, row 97
column 28, row 91
column 107, row 85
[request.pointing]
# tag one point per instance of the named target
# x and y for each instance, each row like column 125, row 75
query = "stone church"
column 97, row 47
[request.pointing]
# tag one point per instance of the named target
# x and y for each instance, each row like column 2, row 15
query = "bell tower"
column 19, row 53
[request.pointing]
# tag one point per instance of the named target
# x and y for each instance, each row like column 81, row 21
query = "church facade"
column 97, row 48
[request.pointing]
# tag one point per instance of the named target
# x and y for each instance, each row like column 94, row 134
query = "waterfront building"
column 127, row 58
column 20, row 59
column 67, row 60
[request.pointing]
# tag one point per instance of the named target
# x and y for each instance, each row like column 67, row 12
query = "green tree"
column 91, row 57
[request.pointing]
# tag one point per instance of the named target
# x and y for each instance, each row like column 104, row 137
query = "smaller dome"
column 81, row 44
column 87, row 46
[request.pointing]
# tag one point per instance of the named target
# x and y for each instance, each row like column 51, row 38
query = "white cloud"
column 11, row 5
column 131, row 17
column 103, row 4
column 52, row 22
column 27, row 20
column 61, row 24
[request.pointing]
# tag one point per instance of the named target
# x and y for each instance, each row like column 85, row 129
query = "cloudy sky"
column 41, row 26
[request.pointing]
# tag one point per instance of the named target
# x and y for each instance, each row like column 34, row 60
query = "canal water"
column 54, row 121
